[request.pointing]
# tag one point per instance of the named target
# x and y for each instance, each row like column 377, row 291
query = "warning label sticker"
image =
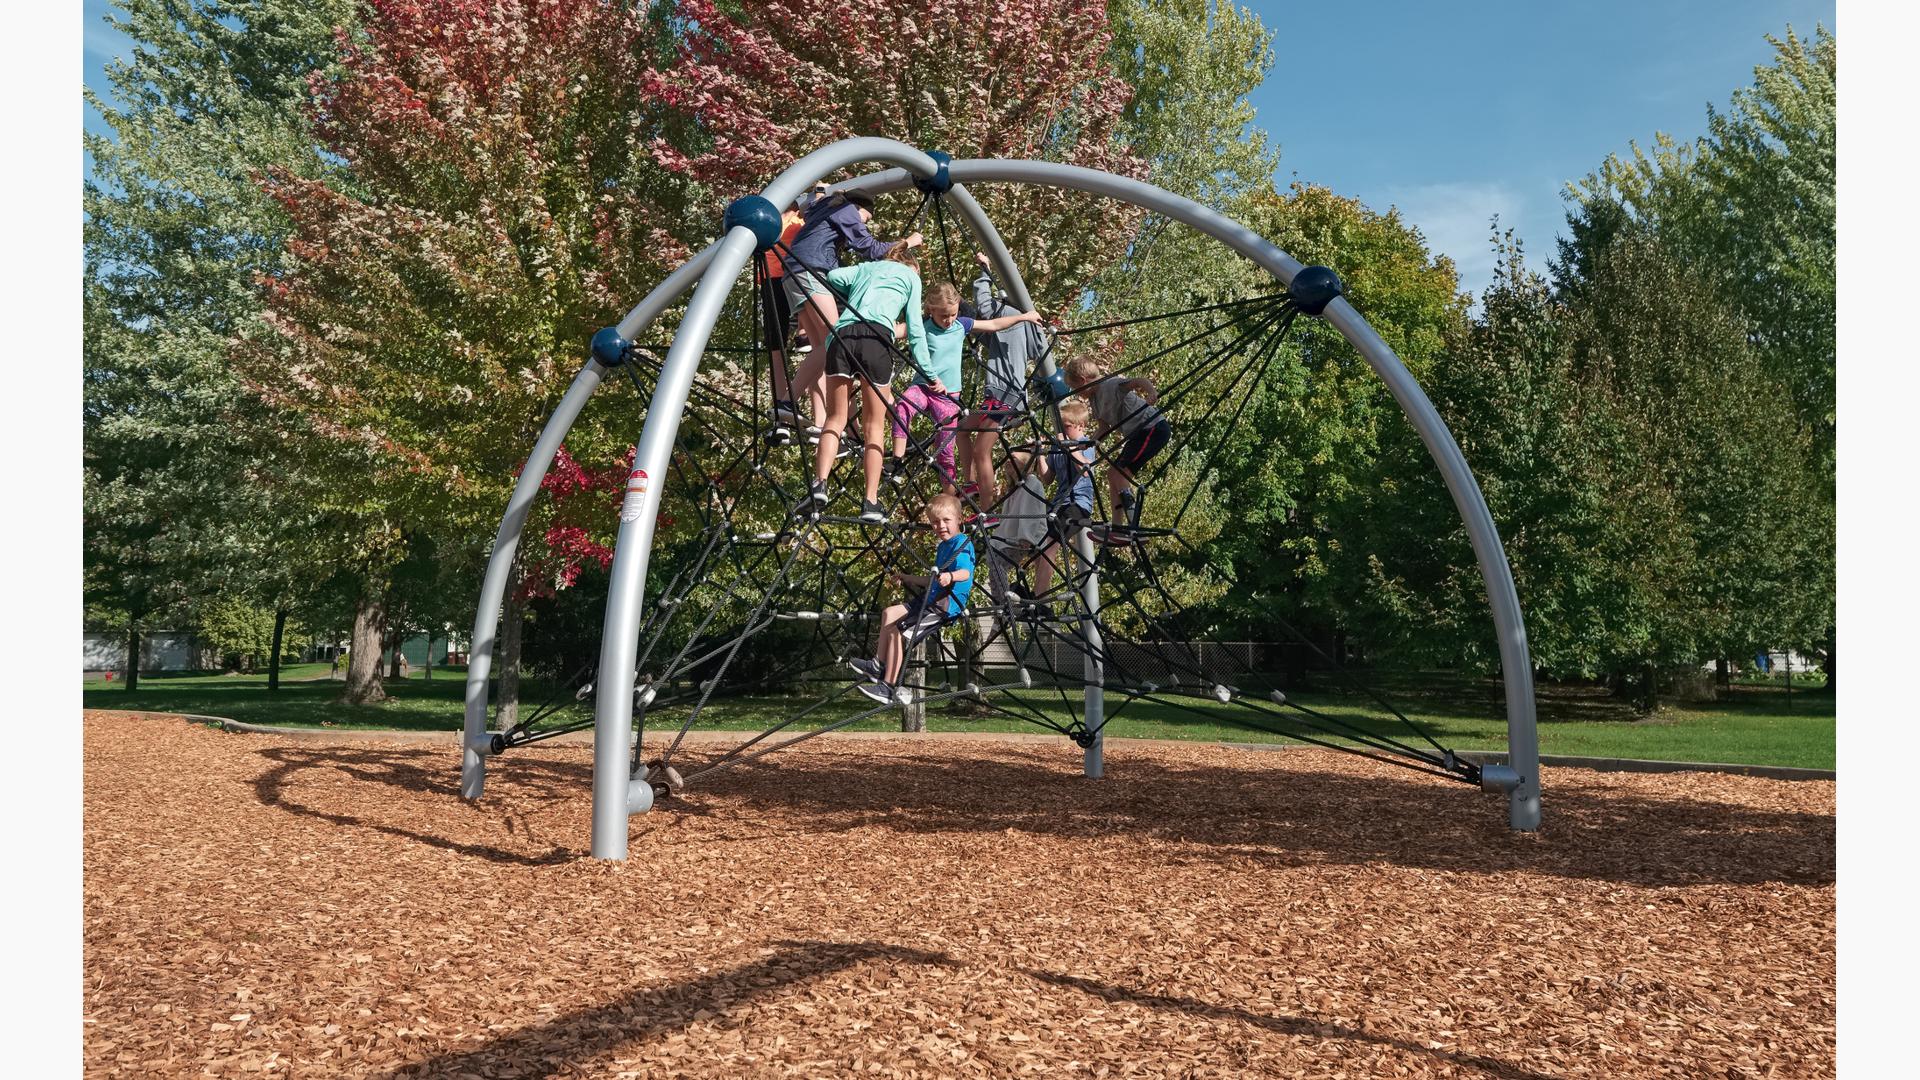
column 636, row 496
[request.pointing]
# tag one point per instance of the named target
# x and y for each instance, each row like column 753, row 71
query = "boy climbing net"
column 940, row 599
column 1129, row 407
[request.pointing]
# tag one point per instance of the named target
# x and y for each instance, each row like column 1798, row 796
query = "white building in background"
column 160, row 650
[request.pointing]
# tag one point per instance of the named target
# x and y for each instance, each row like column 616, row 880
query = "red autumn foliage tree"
column 761, row 84
column 767, row 82
column 501, row 205
column 520, row 171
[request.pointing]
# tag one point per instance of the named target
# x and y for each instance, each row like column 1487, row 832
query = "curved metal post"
column 626, row 591
column 1523, row 738
column 493, row 587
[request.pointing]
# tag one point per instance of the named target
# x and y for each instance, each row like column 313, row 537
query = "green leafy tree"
column 177, row 504
column 1753, row 203
column 1751, row 206
column 1719, row 469
column 1648, row 488
column 1506, row 387
column 1310, row 434
column 503, row 206
column 1191, row 65
column 243, row 634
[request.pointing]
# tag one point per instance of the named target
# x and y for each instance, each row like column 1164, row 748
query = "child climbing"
column 1127, row 406
column 937, row 599
column 1010, row 356
column 1069, row 465
column 937, row 389
column 776, row 313
column 862, row 350
column 834, row 224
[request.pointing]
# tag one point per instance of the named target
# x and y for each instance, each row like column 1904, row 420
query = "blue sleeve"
column 966, row 325
column 846, row 221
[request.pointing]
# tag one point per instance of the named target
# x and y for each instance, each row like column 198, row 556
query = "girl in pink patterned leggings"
column 937, row 389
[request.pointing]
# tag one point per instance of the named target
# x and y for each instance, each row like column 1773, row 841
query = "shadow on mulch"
column 1297, row 1026
column 645, row 1012
column 1296, row 816
column 413, row 771
column 649, row 1012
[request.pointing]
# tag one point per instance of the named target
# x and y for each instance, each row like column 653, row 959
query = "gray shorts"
column 800, row 284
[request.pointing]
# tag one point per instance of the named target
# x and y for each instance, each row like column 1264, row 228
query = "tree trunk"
column 426, row 666
column 1722, row 675
column 393, row 640
column 273, row 661
column 133, row 657
column 914, row 717
column 513, row 617
column 363, row 649
column 1649, row 690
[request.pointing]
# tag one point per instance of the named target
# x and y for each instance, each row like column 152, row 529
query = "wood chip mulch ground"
column 259, row 904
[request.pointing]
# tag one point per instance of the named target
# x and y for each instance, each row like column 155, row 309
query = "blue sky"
column 1455, row 113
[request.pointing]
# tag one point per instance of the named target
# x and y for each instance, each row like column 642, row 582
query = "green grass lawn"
column 1752, row 725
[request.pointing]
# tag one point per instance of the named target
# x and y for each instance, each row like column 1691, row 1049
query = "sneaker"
column 895, row 471
column 878, row 691
column 817, row 493
column 869, row 669
column 1039, row 609
column 1127, row 510
column 970, row 491
column 784, row 414
column 813, row 433
column 985, row 521
column 872, row 512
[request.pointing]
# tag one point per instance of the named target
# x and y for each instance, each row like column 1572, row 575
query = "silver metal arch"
column 493, row 587
column 615, row 792
column 476, row 739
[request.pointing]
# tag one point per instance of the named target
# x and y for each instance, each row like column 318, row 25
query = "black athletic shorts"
column 1142, row 445
column 862, row 350
column 1063, row 520
column 923, row 618
column 776, row 317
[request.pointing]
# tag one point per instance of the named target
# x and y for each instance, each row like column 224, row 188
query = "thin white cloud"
column 100, row 41
column 1455, row 217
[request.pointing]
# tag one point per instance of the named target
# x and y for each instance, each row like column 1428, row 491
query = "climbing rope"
column 753, row 561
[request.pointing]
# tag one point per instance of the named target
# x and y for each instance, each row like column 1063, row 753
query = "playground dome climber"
column 1059, row 614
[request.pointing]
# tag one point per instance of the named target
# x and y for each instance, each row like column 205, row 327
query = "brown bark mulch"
column 256, row 905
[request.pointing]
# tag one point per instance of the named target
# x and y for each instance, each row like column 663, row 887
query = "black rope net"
column 758, row 597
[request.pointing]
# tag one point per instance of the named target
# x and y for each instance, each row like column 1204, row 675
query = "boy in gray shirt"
column 1010, row 356
column 1129, row 407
